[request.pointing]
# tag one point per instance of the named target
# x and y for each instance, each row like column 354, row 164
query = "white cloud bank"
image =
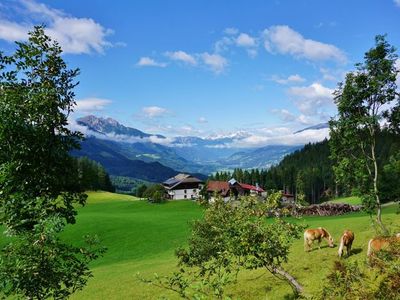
column 89, row 105
column 75, row 35
column 283, row 39
column 301, row 138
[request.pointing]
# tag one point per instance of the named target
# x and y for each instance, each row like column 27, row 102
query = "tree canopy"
column 38, row 188
column 364, row 102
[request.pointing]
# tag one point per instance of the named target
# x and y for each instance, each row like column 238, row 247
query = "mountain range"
column 126, row 151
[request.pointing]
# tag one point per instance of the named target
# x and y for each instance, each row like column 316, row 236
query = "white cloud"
column 149, row 62
column 223, row 44
column 245, row 40
column 88, row 105
column 284, row 114
column 283, row 39
column 75, row 35
column 11, row 31
column 154, row 111
column 285, row 138
column 182, row 56
column 215, row 62
column 248, row 42
column 305, row 120
column 231, row 31
column 397, row 2
column 296, row 78
column 313, row 99
column 289, row 117
column 202, row 120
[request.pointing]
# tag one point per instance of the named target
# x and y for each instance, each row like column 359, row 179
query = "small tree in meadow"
column 365, row 101
column 232, row 237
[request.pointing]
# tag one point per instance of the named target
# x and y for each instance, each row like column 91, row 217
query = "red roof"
column 219, row 187
column 287, row 195
column 251, row 187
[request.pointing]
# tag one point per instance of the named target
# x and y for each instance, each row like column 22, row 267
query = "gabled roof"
column 251, row 187
column 219, row 187
column 180, row 178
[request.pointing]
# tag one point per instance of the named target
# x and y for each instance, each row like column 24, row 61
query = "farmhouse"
column 231, row 189
column 251, row 189
column 287, row 198
column 183, row 186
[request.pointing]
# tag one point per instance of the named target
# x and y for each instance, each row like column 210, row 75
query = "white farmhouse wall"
column 184, row 194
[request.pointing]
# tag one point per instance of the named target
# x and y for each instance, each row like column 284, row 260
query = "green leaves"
column 37, row 175
column 364, row 102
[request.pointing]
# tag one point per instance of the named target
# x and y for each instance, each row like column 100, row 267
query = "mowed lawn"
column 142, row 237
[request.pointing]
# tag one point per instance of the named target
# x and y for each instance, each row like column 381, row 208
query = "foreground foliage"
column 232, row 237
column 379, row 279
column 38, row 188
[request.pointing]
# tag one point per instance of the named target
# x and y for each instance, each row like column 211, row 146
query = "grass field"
column 141, row 237
column 353, row 200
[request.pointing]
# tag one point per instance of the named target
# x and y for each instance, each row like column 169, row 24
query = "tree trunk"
column 376, row 192
column 296, row 286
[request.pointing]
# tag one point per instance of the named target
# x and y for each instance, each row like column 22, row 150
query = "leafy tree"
column 155, row 193
column 140, row 190
column 390, row 183
column 38, row 186
column 229, row 238
column 362, row 103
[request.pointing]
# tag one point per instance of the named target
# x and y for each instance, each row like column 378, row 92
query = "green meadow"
column 141, row 237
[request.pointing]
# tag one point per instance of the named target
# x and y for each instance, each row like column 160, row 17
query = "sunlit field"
column 141, row 237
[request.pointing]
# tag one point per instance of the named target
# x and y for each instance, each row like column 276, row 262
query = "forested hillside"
column 310, row 171
column 92, row 175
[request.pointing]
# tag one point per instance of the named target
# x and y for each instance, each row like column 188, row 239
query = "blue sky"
column 205, row 68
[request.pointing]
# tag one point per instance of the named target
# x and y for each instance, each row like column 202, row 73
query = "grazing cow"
column 378, row 243
column 346, row 241
column 310, row 235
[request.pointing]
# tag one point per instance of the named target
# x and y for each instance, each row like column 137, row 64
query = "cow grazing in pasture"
column 346, row 241
column 310, row 235
column 380, row 243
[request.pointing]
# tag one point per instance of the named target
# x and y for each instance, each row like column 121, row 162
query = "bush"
column 380, row 279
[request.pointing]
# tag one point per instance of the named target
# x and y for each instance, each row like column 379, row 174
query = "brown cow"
column 378, row 243
column 310, row 235
column 346, row 240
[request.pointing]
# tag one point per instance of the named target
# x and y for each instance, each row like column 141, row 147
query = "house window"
column 184, row 191
column 185, row 196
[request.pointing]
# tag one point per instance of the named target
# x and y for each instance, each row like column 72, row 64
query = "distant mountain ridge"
column 109, row 154
column 260, row 158
column 126, row 151
column 110, row 126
